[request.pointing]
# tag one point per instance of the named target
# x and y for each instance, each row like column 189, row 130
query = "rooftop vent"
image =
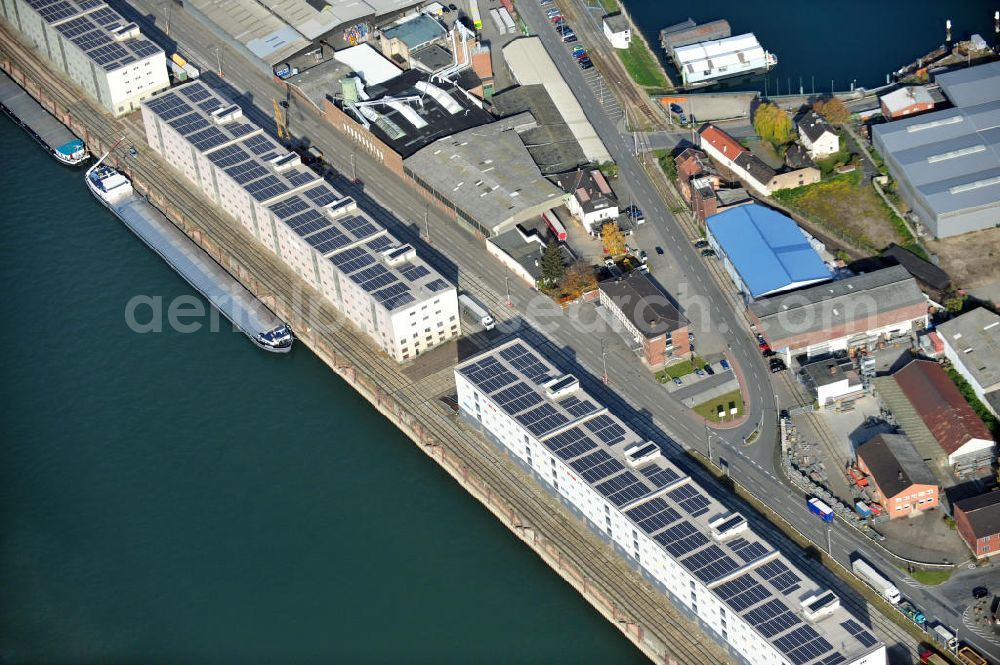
column 341, row 207
column 820, row 605
column 727, row 527
column 227, row 114
column 127, row 31
column 285, row 162
column 400, row 254
column 641, row 453
column 561, row 386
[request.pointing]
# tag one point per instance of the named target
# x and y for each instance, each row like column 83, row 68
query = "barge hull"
column 200, row 270
column 49, row 132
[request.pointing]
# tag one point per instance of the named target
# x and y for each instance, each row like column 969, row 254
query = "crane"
column 279, row 120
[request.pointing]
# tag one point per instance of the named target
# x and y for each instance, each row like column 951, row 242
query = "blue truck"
column 817, row 507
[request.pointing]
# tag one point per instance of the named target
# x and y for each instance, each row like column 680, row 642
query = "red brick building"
column 978, row 522
column 901, row 481
column 648, row 315
column 905, row 102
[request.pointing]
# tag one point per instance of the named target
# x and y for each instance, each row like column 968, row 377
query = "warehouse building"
column 705, row 558
column 972, row 345
column 551, row 143
column 648, row 315
column 977, row 520
column 947, row 163
column 377, row 282
column 485, row 176
column 929, row 408
column 764, row 251
column 902, row 482
column 529, row 64
column 95, row 47
column 852, row 314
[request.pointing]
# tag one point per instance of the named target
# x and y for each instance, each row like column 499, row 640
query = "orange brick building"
column 901, row 481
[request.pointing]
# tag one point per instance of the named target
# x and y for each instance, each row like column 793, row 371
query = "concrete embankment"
column 604, row 578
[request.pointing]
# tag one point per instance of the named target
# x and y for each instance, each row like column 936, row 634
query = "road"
column 438, row 239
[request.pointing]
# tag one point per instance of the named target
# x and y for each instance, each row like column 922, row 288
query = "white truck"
column 945, row 637
column 477, row 310
column 876, row 580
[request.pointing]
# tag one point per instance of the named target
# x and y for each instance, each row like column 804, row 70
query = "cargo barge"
column 199, row 269
column 706, row 54
column 39, row 123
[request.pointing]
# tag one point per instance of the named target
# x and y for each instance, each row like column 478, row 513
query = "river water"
column 822, row 42
column 187, row 498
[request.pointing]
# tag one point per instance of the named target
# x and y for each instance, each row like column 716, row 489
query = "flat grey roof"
column 970, row 86
column 950, row 157
column 744, row 572
column 417, row 31
column 646, row 306
column 250, row 23
column 323, row 218
column 617, row 23
column 488, row 173
column 975, row 336
column 552, row 143
column 835, row 304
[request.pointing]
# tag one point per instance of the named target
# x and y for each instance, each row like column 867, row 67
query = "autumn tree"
column 772, row 124
column 833, row 109
column 579, row 279
column 614, row 240
column 552, row 264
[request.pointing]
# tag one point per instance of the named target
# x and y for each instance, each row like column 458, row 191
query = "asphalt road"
column 578, row 333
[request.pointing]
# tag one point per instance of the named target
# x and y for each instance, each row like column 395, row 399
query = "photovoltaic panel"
column 710, row 563
column 308, row 222
column 299, row 178
column 681, row 539
column 690, row 500
column 207, row 139
column 779, row 576
column 859, row 632
column 598, row 464
column 266, row 188
column 238, row 129
column 437, row 285
column 189, row 124
column 379, row 243
column 658, row 475
column 246, row 172
column 168, row 106
column 742, row 593
column 577, row 407
column 196, row 93
column 414, row 272
column 143, row 48
column 288, row 207
column 517, row 398
column 832, row 659
column 375, row 277
column 351, row 260
column 623, row 488
column 359, row 227
column 105, row 16
column 542, row 419
column 489, row 375
column 228, row 156
column 606, row 429
column 328, row 240
column 394, row 296
column 525, row 361
column 321, row 195
column 803, row 645
column 746, row 550
column 210, row 105
column 772, row 618
column 259, row 144
column 653, row 515
column 569, row 444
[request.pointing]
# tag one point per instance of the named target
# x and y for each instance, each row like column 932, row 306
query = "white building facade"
column 972, row 346
column 377, row 282
column 702, row 556
column 618, row 31
column 95, row 47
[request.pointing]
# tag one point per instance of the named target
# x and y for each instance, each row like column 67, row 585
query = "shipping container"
column 192, row 71
column 970, row 657
column 557, row 227
column 497, row 21
column 477, row 20
column 508, row 20
column 176, row 57
column 509, row 6
column 862, row 509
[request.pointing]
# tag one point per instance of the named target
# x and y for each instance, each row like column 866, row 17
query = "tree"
column 614, row 240
column 579, row 279
column 772, row 124
column 609, row 169
column 552, row 264
column 833, row 109
column 954, row 302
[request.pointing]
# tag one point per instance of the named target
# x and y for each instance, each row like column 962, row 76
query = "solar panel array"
column 295, row 195
column 658, row 499
column 88, row 24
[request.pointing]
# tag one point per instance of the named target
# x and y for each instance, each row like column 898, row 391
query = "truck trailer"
column 477, row 310
column 824, row 511
column 876, row 580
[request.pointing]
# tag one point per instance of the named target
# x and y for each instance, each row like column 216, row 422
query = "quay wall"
column 590, row 567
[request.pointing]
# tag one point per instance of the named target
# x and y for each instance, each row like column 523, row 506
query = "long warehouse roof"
column 714, row 544
column 250, row 23
column 326, row 220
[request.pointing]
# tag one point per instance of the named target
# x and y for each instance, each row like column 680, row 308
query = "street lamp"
column 604, row 358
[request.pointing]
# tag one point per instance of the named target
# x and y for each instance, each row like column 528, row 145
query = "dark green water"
column 820, row 42
column 186, row 498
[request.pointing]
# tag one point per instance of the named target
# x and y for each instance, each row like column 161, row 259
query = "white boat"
column 107, row 184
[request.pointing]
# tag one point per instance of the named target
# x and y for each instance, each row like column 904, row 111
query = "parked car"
column 724, row 364
column 701, row 244
column 708, row 252
column 586, row 64
column 580, row 55
column 677, row 380
column 690, row 336
column 777, row 365
column 132, row 151
column 642, row 256
column 659, row 250
column 682, row 119
column 709, row 370
column 552, row 12
column 556, row 18
column 980, row 592
column 570, row 40
column 699, row 372
column 452, row 7
column 676, row 108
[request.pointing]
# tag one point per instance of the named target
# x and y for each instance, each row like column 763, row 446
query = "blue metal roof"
column 767, row 249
